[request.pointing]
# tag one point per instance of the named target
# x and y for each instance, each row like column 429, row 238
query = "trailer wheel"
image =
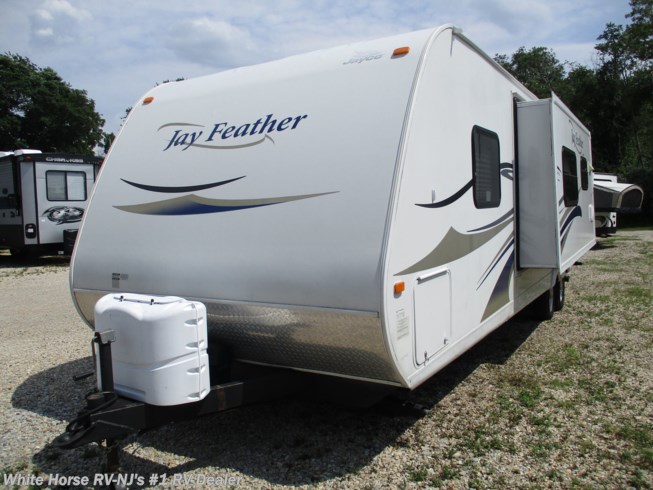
column 18, row 253
column 559, row 294
column 543, row 307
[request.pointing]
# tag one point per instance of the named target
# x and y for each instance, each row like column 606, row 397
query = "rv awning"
column 617, row 196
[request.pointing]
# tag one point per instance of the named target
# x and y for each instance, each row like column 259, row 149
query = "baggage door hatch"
column 432, row 303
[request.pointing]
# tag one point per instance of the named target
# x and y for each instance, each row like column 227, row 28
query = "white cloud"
column 579, row 53
column 56, row 22
column 65, row 9
column 44, row 32
column 214, row 42
column 119, row 49
column 42, row 15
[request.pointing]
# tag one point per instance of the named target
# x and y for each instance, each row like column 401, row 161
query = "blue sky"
column 118, row 49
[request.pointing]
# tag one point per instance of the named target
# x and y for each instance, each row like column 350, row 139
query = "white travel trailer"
column 42, row 199
column 612, row 196
column 366, row 212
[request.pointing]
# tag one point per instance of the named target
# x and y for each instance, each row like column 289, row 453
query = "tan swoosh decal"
column 454, row 246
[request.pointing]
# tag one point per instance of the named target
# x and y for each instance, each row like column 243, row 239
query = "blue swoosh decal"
column 451, row 199
column 193, row 204
column 190, row 188
column 500, row 294
column 503, row 167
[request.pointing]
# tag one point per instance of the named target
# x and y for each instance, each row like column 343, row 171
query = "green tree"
column 614, row 99
column 538, row 68
column 639, row 32
column 40, row 110
column 625, row 74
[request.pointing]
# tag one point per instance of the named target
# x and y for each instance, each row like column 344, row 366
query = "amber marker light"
column 401, row 51
column 147, row 100
column 400, row 287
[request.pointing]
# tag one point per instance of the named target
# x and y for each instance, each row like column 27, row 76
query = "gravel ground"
column 560, row 404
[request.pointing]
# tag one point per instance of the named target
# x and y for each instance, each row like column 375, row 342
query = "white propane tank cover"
column 159, row 355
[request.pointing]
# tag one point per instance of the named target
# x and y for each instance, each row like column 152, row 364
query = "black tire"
column 18, row 253
column 559, row 294
column 543, row 307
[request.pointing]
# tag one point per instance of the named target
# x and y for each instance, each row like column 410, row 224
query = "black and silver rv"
column 43, row 198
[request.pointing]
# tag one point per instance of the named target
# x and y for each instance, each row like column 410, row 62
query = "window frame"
column 569, row 180
column 584, row 174
column 65, row 173
column 493, row 172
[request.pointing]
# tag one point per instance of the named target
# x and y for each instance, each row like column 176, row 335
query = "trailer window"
column 569, row 177
column 65, row 186
column 6, row 185
column 486, row 168
column 584, row 174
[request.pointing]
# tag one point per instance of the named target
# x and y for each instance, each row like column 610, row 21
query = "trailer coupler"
column 108, row 416
column 83, row 429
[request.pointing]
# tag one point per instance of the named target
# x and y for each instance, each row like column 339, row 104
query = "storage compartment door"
column 432, row 300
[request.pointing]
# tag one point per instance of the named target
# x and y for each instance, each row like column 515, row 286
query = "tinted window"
column 486, row 168
column 569, row 177
column 65, row 186
column 584, row 174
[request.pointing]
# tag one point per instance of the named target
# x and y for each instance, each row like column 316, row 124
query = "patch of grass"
column 530, row 396
column 566, row 358
column 619, row 238
column 482, row 440
column 640, row 437
column 542, row 449
column 554, row 475
column 612, row 366
column 560, row 384
column 518, row 379
column 509, row 409
column 567, row 404
column 637, row 295
column 445, row 474
column 626, row 457
column 542, row 424
column 579, row 484
column 475, row 482
column 596, row 298
column 418, row 474
column 597, row 392
column 586, row 446
column 639, row 480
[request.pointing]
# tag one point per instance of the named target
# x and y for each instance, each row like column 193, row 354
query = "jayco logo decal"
column 361, row 57
column 576, row 138
column 224, row 135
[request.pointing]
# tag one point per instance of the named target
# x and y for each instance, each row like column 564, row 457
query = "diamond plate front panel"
column 349, row 344
column 331, row 342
